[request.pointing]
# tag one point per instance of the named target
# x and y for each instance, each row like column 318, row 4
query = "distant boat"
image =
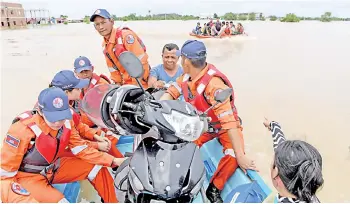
column 215, row 37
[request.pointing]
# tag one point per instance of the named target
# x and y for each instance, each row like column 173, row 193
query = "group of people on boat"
column 56, row 142
column 218, row 28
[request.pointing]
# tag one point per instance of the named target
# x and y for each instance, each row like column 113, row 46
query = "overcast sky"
column 80, row 8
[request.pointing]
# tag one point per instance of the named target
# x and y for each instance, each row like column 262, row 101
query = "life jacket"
column 44, row 150
column 113, row 51
column 227, row 30
column 75, row 116
column 200, row 101
column 93, row 82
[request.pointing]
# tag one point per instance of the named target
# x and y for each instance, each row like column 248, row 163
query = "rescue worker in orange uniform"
column 31, row 155
column 116, row 41
column 199, row 84
column 68, row 82
column 85, row 70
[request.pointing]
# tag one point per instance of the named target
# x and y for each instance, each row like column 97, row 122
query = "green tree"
column 230, row 16
column 291, row 17
column 263, row 18
column 242, row 17
column 216, row 15
column 86, row 19
column 63, row 16
column 172, row 16
column 326, row 17
column 273, row 18
column 251, row 16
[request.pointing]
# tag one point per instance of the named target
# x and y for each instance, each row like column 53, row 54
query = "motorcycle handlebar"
column 130, row 105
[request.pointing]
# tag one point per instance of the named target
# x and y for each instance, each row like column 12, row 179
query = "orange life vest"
column 44, row 149
column 112, row 52
column 199, row 100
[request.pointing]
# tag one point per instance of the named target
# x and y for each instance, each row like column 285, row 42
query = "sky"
column 80, row 8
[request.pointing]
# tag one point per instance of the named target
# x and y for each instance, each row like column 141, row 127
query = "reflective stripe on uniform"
column 37, row 131
column 35, row 167
column 141, row 56
column 230, row 152
column 119, row 41
column 93, row 81
column 200, row 88
column 76, row 150
column 177, row 87
column 211, row 72
column 24, row 116
column 7, row 174
column 225, row 113
column 94, row 171
column 111, row 69
column 186, row 77
column 63, row 200
column 67, row 124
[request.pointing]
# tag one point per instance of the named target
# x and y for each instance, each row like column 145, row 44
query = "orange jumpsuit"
column 228, row 164
column 88, row 163
column 127, row 41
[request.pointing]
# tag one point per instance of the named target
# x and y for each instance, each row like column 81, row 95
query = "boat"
column 215, row 37
column 211, row 153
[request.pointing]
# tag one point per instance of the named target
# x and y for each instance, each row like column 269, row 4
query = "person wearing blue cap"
column 68, row 82
column 85, row 70
column 117, row 41
column 199, row 84
column 31, row 156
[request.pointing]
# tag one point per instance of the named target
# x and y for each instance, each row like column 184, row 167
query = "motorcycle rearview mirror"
column 132, row 65
column 221, row 97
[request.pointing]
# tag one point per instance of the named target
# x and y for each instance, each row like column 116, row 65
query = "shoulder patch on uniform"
column 14, row 142
column 17, row 188
column 130, row 39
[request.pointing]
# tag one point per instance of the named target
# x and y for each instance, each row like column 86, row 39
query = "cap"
column 102, row 13
column 82, row 63
column 53, row 102
column 66, row 79
column 193, row 49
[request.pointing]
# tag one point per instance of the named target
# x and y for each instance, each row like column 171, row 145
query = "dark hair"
column 170, row 46
column 231, row 21
column 199, row 62
column 300, row 168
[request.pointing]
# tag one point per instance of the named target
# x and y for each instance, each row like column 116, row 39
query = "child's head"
column 68, row 82
column 83, row 68
column 297, row 168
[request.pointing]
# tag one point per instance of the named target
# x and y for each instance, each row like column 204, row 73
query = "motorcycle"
column 166, row 165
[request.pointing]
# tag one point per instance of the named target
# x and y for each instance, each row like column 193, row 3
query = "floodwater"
column 294, row 73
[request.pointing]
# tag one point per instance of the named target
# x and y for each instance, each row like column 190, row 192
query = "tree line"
column 291, row 17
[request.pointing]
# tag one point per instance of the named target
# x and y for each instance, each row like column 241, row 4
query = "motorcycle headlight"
column 186, row 127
